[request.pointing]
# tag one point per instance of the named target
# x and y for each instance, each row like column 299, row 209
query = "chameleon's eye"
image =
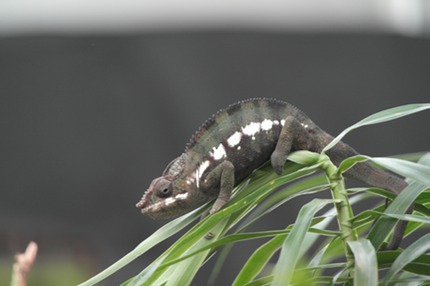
column 165, row 192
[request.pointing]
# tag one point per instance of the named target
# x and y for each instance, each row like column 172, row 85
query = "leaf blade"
column 157, row 237
column 415, row 171
column 292, row 250
column 366, row 265
column 383, row 225
column 411, row 253
column 379, row 117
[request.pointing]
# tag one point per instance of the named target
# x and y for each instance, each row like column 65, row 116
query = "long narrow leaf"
column 234, row 238
column 414, row 171
column 414, row 218
column 379, row 117
column 261, row 256
column 261, row 281
column 184, row 272
column 365, row 263
column 292, row 248
column 283, row 197
column 161, row 234
column 419, row 266
column 258, row 260
column 411, row 253
column 384, row 225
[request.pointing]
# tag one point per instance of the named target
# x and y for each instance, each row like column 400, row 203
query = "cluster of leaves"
column 341, row 258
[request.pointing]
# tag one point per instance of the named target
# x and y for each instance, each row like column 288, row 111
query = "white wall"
column 409, row 17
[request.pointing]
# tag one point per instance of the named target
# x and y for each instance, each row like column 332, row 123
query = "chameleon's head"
column 163, row 200
column 168, row 196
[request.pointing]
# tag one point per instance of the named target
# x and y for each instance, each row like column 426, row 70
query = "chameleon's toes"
column 214, row 209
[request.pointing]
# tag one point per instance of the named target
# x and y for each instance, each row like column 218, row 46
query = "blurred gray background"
column 96, row 99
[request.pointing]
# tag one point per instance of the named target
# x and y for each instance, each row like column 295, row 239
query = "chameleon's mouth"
column 142, row 204
column 166, row 208
column 151, row 210
column 146, row 206
column 159, row 210
column 146, row 211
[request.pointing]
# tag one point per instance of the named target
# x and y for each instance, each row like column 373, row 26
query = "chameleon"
column 234, row 142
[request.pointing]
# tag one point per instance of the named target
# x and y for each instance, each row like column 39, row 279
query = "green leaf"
column 304, row 157
column 384, row 225
column 161, row 234
column 379, row 117
column 304, row 187
column 414, row 171
column 154, row 272
column 258, row 260
column 263, row 281
column 183, row 273
column 414, row 218
column 262, row 255
column 365, row 263
column 292, row 251
column 411, row 253
column 348, row 163
column 410, row 279
column 401, row 203
column 420, row 266
column 233, row 238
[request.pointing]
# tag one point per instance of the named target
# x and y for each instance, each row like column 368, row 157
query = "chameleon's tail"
column 317, row 139
column 370, row 175
column 364, row 171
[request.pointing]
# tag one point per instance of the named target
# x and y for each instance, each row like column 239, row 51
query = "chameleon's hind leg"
column 222, row 175
column 293, row 134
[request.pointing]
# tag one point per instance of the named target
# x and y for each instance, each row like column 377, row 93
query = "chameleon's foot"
column 278, row 161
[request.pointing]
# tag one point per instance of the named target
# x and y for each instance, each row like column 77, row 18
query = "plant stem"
column 343, row 208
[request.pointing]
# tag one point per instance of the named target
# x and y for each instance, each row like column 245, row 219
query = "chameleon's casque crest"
column 175, row 168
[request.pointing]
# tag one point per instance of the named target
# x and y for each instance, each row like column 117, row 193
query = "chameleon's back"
column 245, row 133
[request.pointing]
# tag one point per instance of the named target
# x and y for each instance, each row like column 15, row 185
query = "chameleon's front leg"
column 222, row 175
column 293, row 133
